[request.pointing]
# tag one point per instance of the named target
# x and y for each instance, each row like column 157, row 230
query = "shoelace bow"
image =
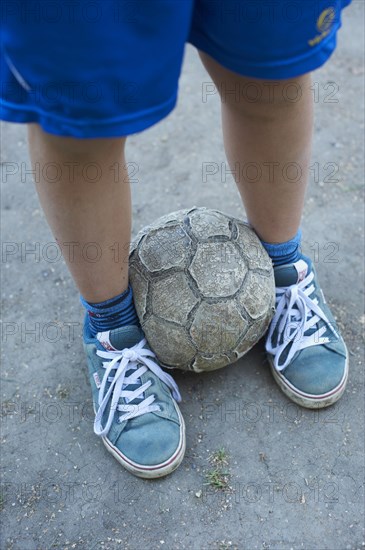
column 117, row 364
column 296, row 313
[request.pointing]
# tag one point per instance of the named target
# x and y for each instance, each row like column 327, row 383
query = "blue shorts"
column 105, row 68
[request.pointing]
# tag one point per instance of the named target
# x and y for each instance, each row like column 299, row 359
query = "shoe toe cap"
column 149, row 441
column 316, row 371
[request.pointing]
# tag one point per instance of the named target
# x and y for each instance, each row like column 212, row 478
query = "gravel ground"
column 294, row 477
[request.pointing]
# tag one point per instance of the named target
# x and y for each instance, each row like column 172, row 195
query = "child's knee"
column 264, row 98
column 252, row 96
column 73, row 147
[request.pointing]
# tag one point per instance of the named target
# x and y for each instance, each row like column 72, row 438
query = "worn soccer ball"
column 203, row 287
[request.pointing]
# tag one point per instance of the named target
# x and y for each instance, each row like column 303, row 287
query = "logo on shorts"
column 324, row 25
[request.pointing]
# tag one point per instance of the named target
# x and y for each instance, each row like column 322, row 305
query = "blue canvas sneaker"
column 307, row 355
column 135, row 402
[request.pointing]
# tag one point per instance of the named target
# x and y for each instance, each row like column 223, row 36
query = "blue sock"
column 285, row 253
column 113, row 313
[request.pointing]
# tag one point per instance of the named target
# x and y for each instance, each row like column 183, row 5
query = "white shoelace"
column 295, row 314
column 117, row 364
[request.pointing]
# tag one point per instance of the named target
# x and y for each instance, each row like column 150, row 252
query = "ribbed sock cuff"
column 287, row 252
column 113, row 313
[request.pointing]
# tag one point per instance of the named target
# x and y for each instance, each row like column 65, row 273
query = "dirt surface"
column 292, row 478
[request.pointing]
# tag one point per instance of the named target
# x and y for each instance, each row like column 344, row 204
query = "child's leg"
column 307, row 355
column 274, row 134
column 89, row 211
column 93, row 220
column 82, row 211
